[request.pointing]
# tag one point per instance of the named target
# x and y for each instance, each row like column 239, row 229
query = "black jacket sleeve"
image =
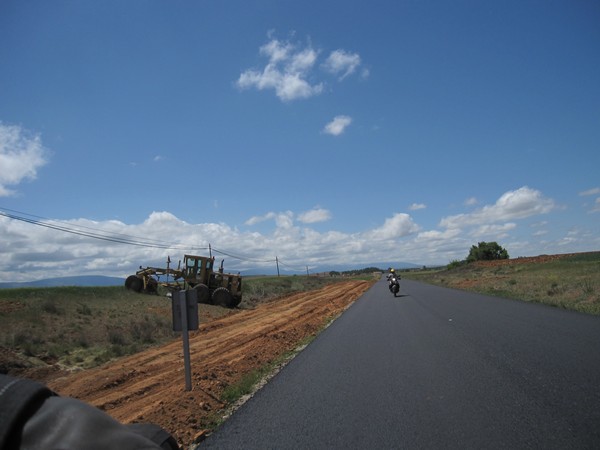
column 19, row 400
column 33, row 417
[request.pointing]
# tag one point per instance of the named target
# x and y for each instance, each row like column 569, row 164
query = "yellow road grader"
column 213, row 287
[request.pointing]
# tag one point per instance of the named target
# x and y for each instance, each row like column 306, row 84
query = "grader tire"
column 152, row 287
column 134, row 283
column 203, row 293
column 222, row 297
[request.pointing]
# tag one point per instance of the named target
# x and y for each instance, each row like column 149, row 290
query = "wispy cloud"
column 289, row 70
column 282, row 219
column 472, row 201
column 338, row 125
column 22, row 154
column 496, row 230
column 286, row 219
column 417, row 206
column 314, row 216
column 342, row 63
column 593, row 191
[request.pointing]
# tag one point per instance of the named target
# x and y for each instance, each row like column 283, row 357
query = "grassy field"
column 80, row 327
column 83, row 327
column 569, row 281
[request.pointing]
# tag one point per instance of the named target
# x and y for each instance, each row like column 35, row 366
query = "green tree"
column 486, row 251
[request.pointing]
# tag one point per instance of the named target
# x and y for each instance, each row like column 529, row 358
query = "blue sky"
column 315, row 132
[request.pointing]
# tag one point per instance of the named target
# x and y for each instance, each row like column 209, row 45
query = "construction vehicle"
column 215, row 288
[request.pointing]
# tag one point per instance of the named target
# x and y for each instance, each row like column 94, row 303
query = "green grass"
column 245, row 386
column 571, row 282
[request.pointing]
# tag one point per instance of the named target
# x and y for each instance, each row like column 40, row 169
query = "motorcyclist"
column 392, row 278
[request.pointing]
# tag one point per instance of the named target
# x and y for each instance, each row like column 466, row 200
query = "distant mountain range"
column 91, row 280
column 330, row 268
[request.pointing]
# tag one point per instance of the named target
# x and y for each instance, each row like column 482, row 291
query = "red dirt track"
column 150, row 386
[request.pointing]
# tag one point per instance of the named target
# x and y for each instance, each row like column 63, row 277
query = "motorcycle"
column 394, row 285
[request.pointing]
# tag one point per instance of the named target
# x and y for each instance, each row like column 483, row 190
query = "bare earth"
column 150, row 386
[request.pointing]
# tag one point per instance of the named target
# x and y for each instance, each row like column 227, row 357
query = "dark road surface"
column 434, row 368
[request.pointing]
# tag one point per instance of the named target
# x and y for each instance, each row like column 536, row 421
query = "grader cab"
column 213, row 287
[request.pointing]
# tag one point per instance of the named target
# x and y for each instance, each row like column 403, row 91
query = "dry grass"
column 83, row 327
column 566, row 281
column 80, row 327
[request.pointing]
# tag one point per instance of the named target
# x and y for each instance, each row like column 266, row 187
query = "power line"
column 120, row 238
column 290, row 267
column 242, row 258
column 98, row 234
column 75, row 227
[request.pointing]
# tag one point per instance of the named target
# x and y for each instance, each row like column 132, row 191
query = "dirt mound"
column 150, row 386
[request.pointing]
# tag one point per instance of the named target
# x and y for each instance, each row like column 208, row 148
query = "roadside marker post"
column 185, row 318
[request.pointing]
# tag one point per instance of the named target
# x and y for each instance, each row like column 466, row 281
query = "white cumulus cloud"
column 286, row 72
column 512, row 205
column 32, row 252
column 21, row 156
column 399, row 225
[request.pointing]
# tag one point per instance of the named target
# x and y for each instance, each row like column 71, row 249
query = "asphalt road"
column 434, row 368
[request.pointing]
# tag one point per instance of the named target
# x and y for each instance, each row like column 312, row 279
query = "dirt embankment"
column 528, row 260
column 150, row 386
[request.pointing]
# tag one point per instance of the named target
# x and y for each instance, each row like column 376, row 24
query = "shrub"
column 588, row 287
column 487, row 251
column 116, row 337
column 50, row 307
column 140, row 333
column 84, row 310
column 554, row 289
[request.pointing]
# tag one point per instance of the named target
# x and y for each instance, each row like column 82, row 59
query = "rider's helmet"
column 392, row 270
